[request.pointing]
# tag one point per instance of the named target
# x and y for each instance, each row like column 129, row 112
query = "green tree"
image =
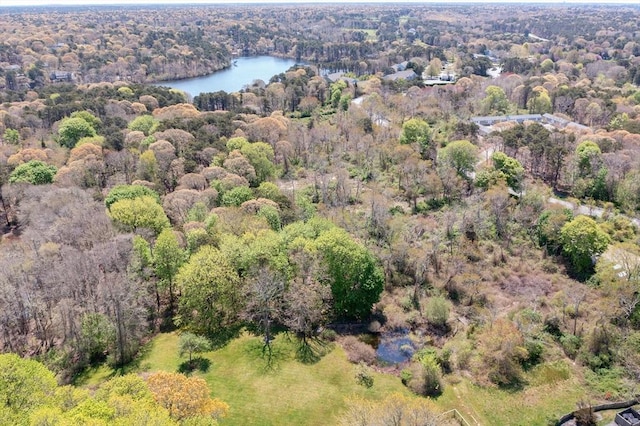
column 495, row 101
column 93, row 121
column 137, row 213
column 510, row 167
column 190, row 344
column 73, row 129
column 129, row 192
column 97, row 335
column 211, row 292
column 416, row 130
column 272, row 215
column 11, row 136
column 539, row 102
column 145, row 124
column 24, row 386
column 237, row 196
column 168, row 256
column 589, row 158
column 34, row 172
column 582, row 241
column 461, row 156
column 356, row 279
column 336, row 90
column 261, row 157
column 548, row 228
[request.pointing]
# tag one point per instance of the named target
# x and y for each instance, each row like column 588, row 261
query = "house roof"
column 407, row 75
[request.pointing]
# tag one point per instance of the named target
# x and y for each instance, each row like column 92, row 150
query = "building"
column 628, row 417
column 60, row 76
column 401, row 75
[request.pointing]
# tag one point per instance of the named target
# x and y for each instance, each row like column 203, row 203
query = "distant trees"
column 129, row 192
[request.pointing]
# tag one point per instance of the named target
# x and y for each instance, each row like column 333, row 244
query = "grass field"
column 285, row 391
column 288, row 391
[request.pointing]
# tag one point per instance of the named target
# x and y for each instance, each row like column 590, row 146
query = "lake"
column 243, row 73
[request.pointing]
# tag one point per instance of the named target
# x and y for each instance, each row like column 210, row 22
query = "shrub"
column 570, row 344
column 363, row 376
column 423, row 377
column 436, row 311
column 358, row 351
column 405, row 376
column 329, row 335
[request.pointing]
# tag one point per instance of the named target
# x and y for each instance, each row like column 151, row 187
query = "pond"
column 391, row 347
column 244, row 71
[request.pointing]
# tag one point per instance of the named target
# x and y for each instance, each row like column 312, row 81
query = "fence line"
column 459, row 417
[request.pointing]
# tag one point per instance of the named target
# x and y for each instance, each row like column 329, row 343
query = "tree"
column 265, row 302
column 24, row 385
column 144, row 123
column 495, row 101
column 168, row 256
column 356, row 279
column 461, row 156
column 589, row 158
column 185, row 397
column 435, row 67
column 97, row 336
column 394, row 409
column 137, row 213
column 582, row 241
column 72, row 129
column 237, row 196
column 539, row 101
column 211, row 292
column 503, row 350
column 34, row 172
column 417, row 131
column 510, row 167
column 129, row 192
column 193, row 344
column 12, row 136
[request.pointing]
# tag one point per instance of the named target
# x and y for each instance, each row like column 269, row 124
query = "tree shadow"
column 221, row 338
column 310, row 351
column 200, row 364
column 272, row 355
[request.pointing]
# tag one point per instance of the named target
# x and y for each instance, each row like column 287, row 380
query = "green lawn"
column 285, row 391
column 288, row 391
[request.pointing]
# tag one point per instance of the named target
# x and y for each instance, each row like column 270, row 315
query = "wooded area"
column 333, row 203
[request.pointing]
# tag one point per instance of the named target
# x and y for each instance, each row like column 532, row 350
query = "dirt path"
column 469, row 414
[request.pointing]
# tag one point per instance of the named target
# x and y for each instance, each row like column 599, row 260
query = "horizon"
column 79, row 3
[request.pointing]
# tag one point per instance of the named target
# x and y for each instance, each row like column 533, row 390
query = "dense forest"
column 462, row 181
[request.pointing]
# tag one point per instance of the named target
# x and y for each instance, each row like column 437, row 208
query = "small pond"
column 392, row 347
